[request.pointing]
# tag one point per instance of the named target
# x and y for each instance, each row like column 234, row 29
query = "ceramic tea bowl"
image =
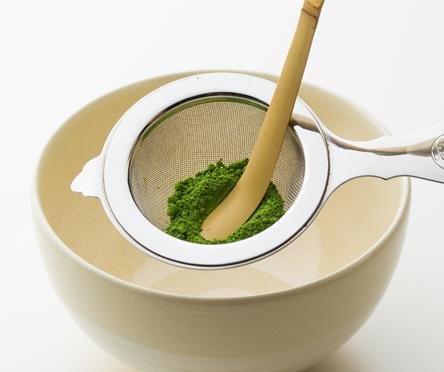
column 284, row 313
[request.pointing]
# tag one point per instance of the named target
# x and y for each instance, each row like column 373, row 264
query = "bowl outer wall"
column 288, row 330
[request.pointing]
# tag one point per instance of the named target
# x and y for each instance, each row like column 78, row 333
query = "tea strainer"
column 177, row 130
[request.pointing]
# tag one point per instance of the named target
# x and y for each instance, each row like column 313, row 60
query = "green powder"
column 195, row 198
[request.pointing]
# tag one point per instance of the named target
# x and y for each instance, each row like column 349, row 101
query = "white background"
column 56, row 56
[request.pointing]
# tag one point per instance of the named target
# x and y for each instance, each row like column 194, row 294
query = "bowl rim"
column 37, row 209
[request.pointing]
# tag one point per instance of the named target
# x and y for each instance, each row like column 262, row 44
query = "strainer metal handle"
column 419, row 155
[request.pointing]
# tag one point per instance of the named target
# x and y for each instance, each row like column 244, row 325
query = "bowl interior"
column 351, row 222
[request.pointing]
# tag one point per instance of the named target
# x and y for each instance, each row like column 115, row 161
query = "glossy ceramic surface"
column 283, row 313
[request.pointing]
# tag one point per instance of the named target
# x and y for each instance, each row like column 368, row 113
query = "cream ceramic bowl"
column 283, row 313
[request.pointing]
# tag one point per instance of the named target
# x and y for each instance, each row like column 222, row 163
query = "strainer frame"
column 117, row 198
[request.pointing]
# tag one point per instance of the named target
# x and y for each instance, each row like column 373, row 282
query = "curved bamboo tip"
column 315, row 3
column 313, row 7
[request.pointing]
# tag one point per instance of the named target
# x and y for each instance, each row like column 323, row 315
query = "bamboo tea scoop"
column 245, row 197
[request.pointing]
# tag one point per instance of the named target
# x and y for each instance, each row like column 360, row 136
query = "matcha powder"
column 194, row 199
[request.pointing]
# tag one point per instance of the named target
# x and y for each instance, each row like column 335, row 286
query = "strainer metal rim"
column 126, row 216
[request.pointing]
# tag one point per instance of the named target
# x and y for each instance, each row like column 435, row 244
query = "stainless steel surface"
column 180, row 128
column 418, row 155
column 112, row 178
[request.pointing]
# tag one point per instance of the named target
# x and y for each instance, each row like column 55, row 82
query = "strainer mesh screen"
column 185, row 139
